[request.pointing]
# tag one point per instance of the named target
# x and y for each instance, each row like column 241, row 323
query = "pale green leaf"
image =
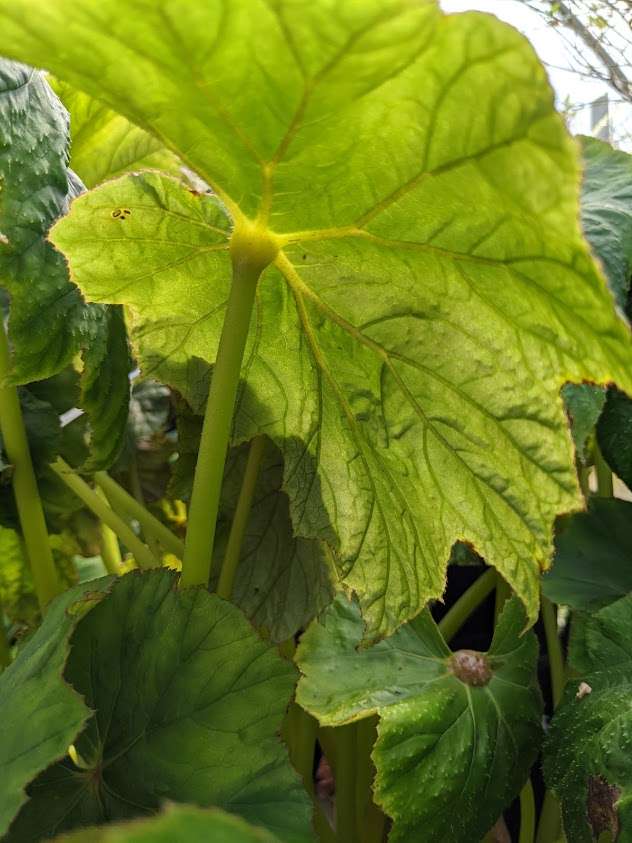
column 188, row 703
column 457, row 733
column 589, row 748
column 432, row 292
column 104, row 144
column 40, row 714
column 181, row 823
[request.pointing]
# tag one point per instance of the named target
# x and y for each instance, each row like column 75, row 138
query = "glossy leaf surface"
column 457, row 733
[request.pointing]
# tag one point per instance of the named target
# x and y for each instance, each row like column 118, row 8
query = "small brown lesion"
column 471, row 667
column 601, row 805
column 121, row 213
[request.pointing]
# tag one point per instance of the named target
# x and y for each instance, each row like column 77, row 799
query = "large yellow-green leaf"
column 432, row 292
column 457, row 733
column 104, row 144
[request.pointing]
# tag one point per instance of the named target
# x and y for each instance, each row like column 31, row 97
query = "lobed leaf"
column 188, row 702
column 432, row 292
column 457, row 733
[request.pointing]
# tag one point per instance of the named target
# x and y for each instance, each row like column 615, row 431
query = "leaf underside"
column 432, row 293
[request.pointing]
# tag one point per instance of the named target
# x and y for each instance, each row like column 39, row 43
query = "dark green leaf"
column 458, row 732
column 614, row 434
column 49, row 321
column 188, row 705
column 39, row 712
column 593, row 556
column 588, row 753
column 584, row 403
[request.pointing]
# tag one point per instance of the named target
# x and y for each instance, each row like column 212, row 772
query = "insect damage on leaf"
column 601, row 807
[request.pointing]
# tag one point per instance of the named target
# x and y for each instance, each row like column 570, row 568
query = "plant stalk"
column 209, row 471
column 121, row 499
column 605, row 486
column 467, row 603
column 105, row 513
column 240, row 518
column 110, row 550
column 345, row 776
column 45, row 577
column 527, row 814
column 5, row 649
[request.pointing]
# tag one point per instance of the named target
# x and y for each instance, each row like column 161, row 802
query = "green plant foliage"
column 40, row 714
column 584, row 403
column 49, row 321
column 588, row 750
column 593, row 550
column 457, row 733
column 431, row 268
column 606, row 211
column 188, row 704
column 104, row 144
column 614, row 434
column 181, row 823
column 282, row 581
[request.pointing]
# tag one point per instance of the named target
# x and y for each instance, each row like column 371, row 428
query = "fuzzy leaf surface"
column 449, row 755
column 593, row 550
column 49, row 321
column 433, row 291
column 181, row 823
column 584, row 403
column 589, row 747
column 40, row 714
column 188, row 705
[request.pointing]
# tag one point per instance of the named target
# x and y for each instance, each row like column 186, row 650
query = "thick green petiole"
column 527, row 814
column 467, row 603
column 605, row 486
column 121, row 499
column 252, row 250
column 105, row 513
column 45, row 578
column 240, row 518
column 110, row 550
column 5, row 649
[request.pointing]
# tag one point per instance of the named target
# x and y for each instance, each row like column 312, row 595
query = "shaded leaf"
column 614, row 434
column 593, row 552
column 40, row 714
column 192, row 716
column 49, row 321
column 588, row 752
column 104, row 144
column 181, row 823
column 458, row 732
column 432, row 292
column 584, row 403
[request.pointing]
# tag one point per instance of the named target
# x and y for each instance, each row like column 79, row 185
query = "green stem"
column 554, row 647
column 550, row 816
column 583, row 473
column 209, row 471
column 345, row 775
column 605, row 487
column 527, row 814
column 45, row 577
column 121, row 499
column 503, row 593
column 301, row 738
column 370, row 819
column 110, row 550
column 240, row 518
column 100, row 508
column 467, row 603
column 5, row 649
